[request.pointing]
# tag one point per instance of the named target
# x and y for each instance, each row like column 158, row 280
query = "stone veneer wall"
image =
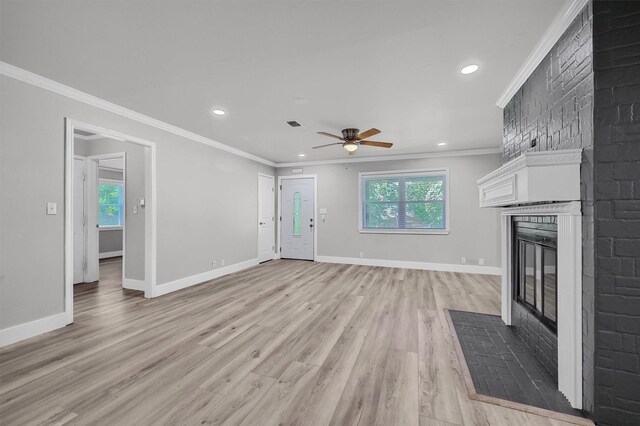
column 617, row 207
column 554, row 107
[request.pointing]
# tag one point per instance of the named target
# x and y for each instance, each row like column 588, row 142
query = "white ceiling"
column 393, row 65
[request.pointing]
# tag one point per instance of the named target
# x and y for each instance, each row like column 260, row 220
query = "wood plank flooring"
column 283, row 343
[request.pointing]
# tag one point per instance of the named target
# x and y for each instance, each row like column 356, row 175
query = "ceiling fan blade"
column 368, row 133
column 330, row 135
column 329, row 144
column 379, row 144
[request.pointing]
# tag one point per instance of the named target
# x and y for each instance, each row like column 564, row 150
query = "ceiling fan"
column 352, row 138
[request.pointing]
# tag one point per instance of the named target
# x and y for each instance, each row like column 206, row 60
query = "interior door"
column 266, row 218
column 297, row 221
column 78, row 219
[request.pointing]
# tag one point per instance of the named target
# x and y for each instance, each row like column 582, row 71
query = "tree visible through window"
column 404, row 202
column 110, row 204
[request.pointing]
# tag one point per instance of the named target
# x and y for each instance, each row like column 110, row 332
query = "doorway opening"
column 297, row 200
column 110, row 213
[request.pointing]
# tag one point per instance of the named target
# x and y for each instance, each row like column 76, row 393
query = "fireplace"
column 541, row 242
column 535, row 256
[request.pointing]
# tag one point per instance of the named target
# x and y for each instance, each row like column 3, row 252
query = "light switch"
column 52, row 208
column 323, row 211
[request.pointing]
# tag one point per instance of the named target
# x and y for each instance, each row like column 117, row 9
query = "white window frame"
column 404, row 173
column 114, row 182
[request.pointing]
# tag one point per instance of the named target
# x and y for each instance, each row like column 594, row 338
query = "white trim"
column 554, row 209
column 315, row 207
column 131, row 284
column 181, row 283
column 110, row 228
column 569, row 266
column 29, row 329
column 61, row 89
column 398, row 173
column 108, row 254
column 559, row 25
column 87, row 138
column 446, row 267
column 460, row 153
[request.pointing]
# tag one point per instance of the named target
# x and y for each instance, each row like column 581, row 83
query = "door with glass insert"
column 297, row 220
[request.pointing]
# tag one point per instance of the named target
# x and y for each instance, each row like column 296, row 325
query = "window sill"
column 405, row 231
column 110, row 228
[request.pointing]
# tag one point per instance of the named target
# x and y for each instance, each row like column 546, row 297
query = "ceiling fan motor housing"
column 350, row 134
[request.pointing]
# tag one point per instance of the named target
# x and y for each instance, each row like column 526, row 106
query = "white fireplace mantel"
column 569, row 279
column 533, row 177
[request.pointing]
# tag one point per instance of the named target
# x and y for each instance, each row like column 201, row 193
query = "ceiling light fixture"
column 218, row 112
column 350, row 146
column 301, row 155
column 442, row 144
column 469, row 69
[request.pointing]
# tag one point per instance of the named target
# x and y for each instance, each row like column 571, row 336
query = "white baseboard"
column 131, row 284
column 447, row 267
column 108, row 254
column 172, row 286
column 33, row 328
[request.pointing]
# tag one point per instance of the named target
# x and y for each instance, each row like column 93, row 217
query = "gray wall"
column 474, row 231
column 110, row 240
column 206, row 200
column 134, row 191
column 617, row 201
column 555, row 107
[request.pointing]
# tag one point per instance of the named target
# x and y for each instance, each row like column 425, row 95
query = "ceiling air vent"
column 294, row 123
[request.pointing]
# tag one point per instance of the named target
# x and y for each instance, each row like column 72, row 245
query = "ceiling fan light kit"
column 352, row 138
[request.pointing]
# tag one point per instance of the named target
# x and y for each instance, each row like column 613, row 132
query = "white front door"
column 297, row 220
column 266, row 218
column 78, row 219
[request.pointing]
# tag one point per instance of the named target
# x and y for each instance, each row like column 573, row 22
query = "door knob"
column 261, row 223
column 311, row 225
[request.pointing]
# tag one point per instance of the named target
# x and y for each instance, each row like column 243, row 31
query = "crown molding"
column 28, row 77
column 482, row 151
column 559, row 25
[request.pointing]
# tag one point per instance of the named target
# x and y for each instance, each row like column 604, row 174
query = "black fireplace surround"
column 535, row 260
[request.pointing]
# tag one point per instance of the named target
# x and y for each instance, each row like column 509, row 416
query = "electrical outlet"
column 481, row 261
column 463, row 260
column 222, row 262
column 213, row 264
column 361, row 255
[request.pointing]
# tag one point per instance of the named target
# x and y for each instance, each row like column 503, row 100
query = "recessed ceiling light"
column 469, row 69
column 442, row 144
column 301, row 155
column 218, row 112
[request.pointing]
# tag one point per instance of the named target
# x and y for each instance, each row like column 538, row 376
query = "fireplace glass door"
column 535, row 257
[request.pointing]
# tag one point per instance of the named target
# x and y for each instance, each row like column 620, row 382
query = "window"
column 404, row 202
column 110, row 203
column 297, row 214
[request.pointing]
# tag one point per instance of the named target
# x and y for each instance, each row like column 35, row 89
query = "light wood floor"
column 287, row 342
